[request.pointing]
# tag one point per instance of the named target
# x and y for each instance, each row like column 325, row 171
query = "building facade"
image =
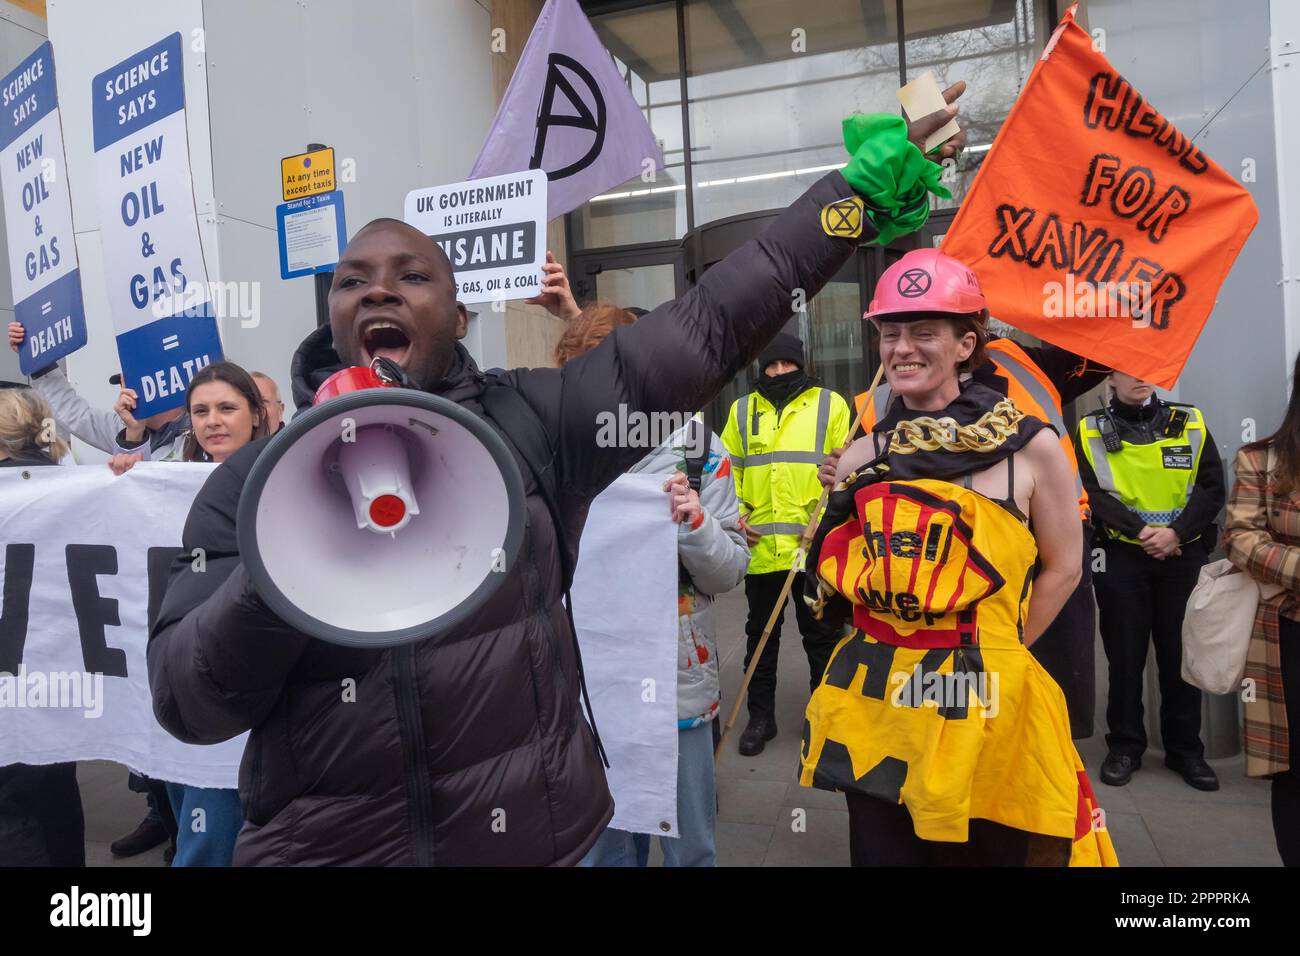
column 746, row 97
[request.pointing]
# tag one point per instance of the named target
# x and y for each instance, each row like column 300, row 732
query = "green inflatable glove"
column 891, row 175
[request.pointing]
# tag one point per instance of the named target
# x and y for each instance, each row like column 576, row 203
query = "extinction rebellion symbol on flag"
column 570, row 112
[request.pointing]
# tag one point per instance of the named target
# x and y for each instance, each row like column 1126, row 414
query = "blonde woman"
column 41, row 823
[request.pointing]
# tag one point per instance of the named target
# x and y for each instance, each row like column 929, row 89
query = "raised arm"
column 677, row 358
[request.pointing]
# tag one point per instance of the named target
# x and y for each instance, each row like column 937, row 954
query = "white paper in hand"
column 922, row 97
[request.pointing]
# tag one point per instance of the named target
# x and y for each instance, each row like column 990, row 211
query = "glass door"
column 632, row 277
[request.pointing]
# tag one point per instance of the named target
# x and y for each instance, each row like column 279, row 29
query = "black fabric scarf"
column 779, row 389
column 973, row 403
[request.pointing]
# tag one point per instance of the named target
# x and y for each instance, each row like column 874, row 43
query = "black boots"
column 1195, row 771
column 149, row 834
column 1117, row 769
column 757, row 733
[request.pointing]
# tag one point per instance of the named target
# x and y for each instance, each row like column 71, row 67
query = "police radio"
column 1176, row 422
column 1109, row 437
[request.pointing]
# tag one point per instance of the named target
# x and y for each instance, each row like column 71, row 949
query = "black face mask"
column 779, row 389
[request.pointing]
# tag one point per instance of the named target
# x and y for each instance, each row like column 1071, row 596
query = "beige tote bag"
column 1219, row 621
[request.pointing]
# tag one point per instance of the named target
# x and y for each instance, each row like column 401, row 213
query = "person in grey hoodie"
column 713, row 557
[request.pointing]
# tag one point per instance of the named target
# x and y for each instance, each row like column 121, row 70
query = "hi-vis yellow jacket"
column 1154, row 480
column 775, row 459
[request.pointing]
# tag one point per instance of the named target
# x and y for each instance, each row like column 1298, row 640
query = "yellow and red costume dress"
column 933, row 700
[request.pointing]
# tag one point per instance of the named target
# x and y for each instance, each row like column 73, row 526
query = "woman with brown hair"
column 950, row 541
column 226, row 412
column 1262, row 537
column 41, row 821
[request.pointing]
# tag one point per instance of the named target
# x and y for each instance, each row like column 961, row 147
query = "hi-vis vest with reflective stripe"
column 1154, row 480
column 1031, row 391
column 775, row 463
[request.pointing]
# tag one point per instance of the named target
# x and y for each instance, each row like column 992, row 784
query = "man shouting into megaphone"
column 470, row 748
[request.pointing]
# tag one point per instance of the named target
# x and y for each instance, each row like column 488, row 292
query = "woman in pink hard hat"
column 950, row 742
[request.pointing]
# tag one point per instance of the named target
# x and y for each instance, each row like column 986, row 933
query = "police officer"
column 1155, row 482
column 777, row 437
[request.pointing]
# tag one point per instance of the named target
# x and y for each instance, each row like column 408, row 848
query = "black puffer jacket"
column 470, row 749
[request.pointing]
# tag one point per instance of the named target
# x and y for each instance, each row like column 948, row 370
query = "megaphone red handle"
column 352, row 379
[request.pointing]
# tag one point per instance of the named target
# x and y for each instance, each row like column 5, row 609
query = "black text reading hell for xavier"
column 1120, row 190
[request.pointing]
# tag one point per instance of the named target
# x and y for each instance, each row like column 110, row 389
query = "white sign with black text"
column 493, row 231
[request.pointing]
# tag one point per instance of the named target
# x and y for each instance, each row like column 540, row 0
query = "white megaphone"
column 381, row 515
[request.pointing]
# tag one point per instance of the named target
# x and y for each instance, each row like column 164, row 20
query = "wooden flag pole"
column 804, row 542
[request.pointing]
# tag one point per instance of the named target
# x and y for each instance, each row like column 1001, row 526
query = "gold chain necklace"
column 931, row 434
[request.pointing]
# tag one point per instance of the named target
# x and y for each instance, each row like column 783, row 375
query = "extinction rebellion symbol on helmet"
column 913, row 283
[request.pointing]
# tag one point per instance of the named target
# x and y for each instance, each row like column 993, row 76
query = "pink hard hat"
column 925, row 282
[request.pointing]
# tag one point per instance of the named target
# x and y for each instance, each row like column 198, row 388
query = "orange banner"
column 1094, row 223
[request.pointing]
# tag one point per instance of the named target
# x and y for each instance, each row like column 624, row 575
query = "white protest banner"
column 38, row 215
column 156, row 280
column 85, row 557
column 77, row 598
column 493, row 231
column 625, row 609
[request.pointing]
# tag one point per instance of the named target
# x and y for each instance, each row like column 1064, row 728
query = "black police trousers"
column 1141, row 600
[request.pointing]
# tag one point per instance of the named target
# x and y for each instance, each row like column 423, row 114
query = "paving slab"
column 813, row 838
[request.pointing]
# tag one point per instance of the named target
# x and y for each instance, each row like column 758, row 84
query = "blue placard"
column 54, row 320
column 164, row 356
column 27, row 94
column 154, row 272
column 142, row 89
column 45, row 280
column 304, row 250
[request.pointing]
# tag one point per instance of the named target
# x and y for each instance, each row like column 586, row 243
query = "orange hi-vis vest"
column 1027, row 386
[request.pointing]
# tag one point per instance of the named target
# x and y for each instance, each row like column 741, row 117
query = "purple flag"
column 569, row 112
